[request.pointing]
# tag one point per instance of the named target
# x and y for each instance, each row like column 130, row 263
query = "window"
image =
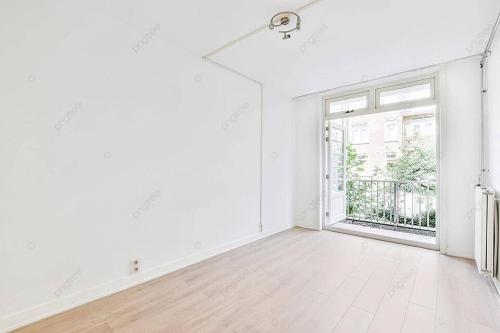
column 422, row 126
column 391, row 130
column 400, row 95
column 337, row 173
column 407, row 92
column 360, row 133
column 339, row 123
column 362, row 158
column 337, row 160
column 337, row 186
column 390, row 157
column 348, row 103
column 336, row 134
column 337, row 148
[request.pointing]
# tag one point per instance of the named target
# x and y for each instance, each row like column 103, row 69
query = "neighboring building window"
column 391, row 130
column 362, row 158
column 390, row 157
column 360, row 133
column 422, row 126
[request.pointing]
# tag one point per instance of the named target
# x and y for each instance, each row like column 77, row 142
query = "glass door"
column 336, row 171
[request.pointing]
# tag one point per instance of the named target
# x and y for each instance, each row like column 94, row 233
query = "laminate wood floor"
column 300, row 281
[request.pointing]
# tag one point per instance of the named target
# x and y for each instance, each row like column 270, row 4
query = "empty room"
column 289, row 166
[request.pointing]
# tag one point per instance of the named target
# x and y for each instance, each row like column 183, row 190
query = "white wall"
column 459, row 160
column 492, row 119
column 306, row 162
column 277, row 160
column 460, row 153
column 117, row 144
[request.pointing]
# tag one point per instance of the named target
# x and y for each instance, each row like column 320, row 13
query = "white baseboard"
column 459, row 254
column 68, row 302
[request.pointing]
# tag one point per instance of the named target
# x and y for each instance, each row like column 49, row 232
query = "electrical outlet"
column 135, row 266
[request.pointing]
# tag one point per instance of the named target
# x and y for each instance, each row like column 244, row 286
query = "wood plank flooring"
column 300, row 281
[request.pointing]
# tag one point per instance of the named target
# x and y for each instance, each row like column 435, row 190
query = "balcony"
column 408, row 207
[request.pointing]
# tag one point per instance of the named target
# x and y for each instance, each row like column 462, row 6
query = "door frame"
column 328, row 129
column 371, row 87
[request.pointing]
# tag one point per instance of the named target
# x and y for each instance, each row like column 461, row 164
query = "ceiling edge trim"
column 386, row 76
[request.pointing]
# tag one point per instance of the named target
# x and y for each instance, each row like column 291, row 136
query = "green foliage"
column 377, row 172
column 353, row 162
column 354, row 165
column 414, row 164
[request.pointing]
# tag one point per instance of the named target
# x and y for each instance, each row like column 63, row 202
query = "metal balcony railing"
column 400, row 204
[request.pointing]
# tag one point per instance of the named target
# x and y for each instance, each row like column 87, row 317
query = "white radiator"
column 486, row 231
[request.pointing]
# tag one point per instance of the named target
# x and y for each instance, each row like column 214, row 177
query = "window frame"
column 346, row 97
column 373, row 97
column 405, row 104
column 436, row 72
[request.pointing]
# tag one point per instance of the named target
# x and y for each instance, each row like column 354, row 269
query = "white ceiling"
column 341, row 41
column 199, row 26
column 344, row 42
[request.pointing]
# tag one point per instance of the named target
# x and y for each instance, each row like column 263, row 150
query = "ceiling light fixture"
column 283, row 19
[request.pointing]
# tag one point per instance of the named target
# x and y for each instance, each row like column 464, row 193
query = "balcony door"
column 336, row 171
column 381, row 167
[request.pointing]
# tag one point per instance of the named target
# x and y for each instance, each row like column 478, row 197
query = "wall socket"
column 135, row 266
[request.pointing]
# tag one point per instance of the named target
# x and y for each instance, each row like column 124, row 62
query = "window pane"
column 349, row 104
column 337, row 186
column 337, row 135
column 413, row 93
column 337, row 173
column 359, row 133
column 337, row 160
column 339, row 123
column 337, row 148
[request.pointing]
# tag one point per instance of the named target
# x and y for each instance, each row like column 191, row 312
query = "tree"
column 353, row 163
column 415, row 164
column 356, row 195
column 415, row 168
